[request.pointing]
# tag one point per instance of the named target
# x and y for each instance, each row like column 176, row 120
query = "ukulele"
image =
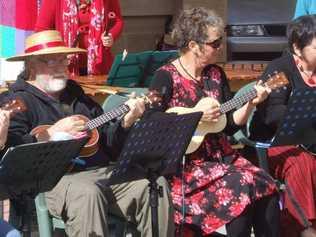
column 91, row 147
column 275, row 81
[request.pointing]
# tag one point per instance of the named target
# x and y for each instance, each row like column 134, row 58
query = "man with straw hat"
column 82, row 199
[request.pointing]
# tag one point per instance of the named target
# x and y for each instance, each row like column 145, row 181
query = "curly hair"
column 193, row 24
column 301, row 31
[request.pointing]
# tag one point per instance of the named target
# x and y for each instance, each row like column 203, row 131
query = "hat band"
column 44, row 46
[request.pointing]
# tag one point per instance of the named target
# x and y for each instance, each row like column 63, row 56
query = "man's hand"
column 4, row 125
column 72, row 125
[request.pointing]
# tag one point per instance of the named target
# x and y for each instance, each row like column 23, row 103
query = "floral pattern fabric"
column 71, row 22
column 218, row 183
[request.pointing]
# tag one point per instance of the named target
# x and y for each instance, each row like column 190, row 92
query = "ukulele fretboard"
column 106, row 117
column 238, row 101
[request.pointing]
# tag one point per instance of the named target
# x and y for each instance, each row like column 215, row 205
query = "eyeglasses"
column 54, row 62
column 215, row 44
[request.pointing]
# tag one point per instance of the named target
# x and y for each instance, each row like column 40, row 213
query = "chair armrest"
column 261, row 148
column 43, row 218
column 241, row 137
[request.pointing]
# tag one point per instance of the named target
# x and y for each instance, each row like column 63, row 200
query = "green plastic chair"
column 137, row 69
column 115, row 100
column 245, row 130
column 242, row 135
column 46, row 223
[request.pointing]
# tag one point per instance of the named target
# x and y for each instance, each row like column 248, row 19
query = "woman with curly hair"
column 218, row 185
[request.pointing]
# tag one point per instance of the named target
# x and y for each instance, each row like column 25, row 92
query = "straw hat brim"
column 47, row 51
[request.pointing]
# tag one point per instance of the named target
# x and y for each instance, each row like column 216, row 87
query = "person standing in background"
column 304, row 7
column 89, row 24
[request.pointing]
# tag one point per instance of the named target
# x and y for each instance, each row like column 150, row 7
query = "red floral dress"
column 218, row 182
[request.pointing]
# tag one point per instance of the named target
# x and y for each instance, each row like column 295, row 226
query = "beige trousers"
column 83, row 200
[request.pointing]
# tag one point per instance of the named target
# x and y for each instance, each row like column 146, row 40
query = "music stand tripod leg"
column 24, row 212
column 26, row 218
column 148, row 154
column 154, row 191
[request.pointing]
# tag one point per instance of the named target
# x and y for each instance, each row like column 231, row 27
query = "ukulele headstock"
column 152, row 98
column 277, row 80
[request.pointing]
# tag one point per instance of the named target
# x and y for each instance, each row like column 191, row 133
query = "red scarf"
column 96, row 29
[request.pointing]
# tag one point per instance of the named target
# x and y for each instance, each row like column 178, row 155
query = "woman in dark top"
column 291, row 163
column 220, row 187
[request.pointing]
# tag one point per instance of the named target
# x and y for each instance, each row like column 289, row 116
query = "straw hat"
column 45, row 43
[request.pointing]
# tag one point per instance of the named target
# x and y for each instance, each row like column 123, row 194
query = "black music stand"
column 154, row 147
column 298, row 125
column 29, row 169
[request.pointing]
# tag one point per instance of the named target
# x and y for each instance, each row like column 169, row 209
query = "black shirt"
column 270, row 112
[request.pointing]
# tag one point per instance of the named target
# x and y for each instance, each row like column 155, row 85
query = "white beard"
column 52, row 84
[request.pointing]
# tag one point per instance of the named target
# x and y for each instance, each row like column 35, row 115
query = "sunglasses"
column 215, row 44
